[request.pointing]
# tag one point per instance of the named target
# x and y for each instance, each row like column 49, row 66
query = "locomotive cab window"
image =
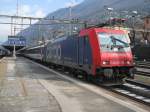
column 113, row 42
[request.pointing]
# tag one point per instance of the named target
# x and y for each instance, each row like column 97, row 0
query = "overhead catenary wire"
column 44, row 19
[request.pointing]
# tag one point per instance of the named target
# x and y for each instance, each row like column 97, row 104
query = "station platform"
column 28, row 87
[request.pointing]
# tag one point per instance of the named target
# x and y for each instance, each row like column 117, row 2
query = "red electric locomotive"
column 111, row 53
column 102, row 54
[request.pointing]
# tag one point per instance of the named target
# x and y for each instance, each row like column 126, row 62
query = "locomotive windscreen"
column 113, row 42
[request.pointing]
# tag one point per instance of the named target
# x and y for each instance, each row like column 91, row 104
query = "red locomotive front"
column 111, row 52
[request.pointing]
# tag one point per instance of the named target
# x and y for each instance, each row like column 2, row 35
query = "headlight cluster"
column 106, row 62
column 129, row 62
column 123, row 62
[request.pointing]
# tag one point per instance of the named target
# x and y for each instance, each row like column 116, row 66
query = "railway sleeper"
column 138, row 91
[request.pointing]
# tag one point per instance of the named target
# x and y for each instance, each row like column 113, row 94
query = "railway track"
column 134, row 90
column 143, row 73
column 143, row 64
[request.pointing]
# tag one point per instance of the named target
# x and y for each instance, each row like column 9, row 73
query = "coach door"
column 81, row 48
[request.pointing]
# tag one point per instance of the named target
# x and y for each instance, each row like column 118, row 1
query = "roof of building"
column 148, row 16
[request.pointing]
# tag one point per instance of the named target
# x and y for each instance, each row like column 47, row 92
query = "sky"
column 34, row 8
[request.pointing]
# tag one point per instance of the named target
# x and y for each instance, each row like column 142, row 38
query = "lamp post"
column 72, row 4
column 134, row 13
column 14, row 51
column 70, row 18
column 110, row 10
column 14, row 46
column 17, row 8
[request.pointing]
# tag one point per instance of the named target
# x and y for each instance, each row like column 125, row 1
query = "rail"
column 134, row 90
column 142, row 73
column 144, row 65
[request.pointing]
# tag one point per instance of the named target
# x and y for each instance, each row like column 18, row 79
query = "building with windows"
column 147, row 22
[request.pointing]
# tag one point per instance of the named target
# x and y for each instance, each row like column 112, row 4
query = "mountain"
column 91, row 10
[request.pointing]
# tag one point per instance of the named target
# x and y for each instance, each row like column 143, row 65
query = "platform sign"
column 16, row 40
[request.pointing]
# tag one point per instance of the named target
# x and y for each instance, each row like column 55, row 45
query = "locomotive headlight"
column 106, row 62
column 128, row 62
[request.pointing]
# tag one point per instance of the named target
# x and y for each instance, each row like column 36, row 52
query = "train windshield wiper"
column 120, row 46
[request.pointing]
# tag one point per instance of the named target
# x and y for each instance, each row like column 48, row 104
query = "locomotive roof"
column 118, row 29
column 85, row 31
column 104, row 29
column 61, row 38
column 36, row 47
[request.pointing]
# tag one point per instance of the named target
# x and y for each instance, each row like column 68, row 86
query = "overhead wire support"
column 35, row 18
column 17, row 10
column 11, row 26
column 28, row 24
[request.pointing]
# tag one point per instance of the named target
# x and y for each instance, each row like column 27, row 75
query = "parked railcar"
column 102, row 54
column 35, row 52
column 145, row 55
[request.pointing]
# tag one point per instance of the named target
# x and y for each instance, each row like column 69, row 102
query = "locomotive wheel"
column 85, row 76
column 89, row 77
column 74, row 73
column 132, row 73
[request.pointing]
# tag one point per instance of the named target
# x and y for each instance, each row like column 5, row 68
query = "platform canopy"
column 18, row 41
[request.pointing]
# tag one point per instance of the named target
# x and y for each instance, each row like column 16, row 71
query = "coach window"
column 85, row 43
column 59, row 52
column 86, row 39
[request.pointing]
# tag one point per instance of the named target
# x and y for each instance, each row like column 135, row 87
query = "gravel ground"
column 142, row 79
